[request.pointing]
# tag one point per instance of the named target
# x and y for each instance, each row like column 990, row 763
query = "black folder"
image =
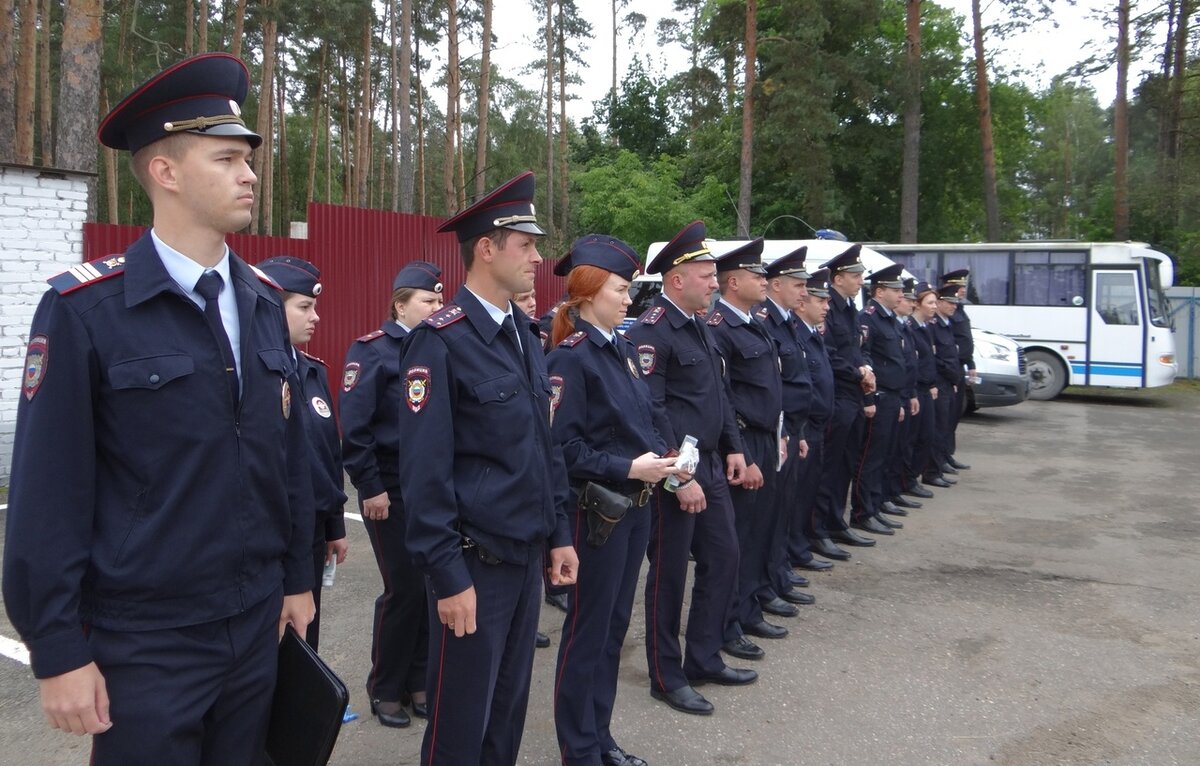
column 306, row 713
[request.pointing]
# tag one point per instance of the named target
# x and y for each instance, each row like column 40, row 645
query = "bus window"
column 923, row 266
column 988, row 284
column 1049, row 279
column 1160, row 307
column 1117, row 298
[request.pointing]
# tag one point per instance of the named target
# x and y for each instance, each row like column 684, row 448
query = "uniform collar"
column 886, row 311
column 185, row 271
column 778, row 311
column 733, row 313
column 594, row 333
column 395, row 329
column 675, row 315
column 485, row 317
column 146, row 276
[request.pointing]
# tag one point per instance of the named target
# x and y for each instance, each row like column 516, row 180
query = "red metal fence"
column 358, row 252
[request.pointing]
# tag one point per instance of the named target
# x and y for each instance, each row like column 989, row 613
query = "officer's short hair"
column 498, row 237
column 174, row 146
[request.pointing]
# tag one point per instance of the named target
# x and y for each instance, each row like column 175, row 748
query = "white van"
column 999, row 362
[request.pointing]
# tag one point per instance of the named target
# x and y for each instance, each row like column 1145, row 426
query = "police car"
column 1002, row 378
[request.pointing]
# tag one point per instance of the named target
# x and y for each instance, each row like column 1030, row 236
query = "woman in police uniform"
column 300, row 282
column 372, row 393
column 602, row 418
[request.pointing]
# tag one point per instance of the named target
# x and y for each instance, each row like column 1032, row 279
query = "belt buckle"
column 643, row 496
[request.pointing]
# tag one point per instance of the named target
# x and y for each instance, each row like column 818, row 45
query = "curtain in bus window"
column 1049, row 278
column 923, row 266
column 1117, row 299
column 988, row 283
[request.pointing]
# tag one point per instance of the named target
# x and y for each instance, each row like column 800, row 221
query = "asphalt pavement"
column 1043, row 611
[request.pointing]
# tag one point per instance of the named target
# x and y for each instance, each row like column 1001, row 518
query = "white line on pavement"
column 14, row 650
column 354, row 516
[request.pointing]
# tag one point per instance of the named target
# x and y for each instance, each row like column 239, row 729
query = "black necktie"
column 209, row 287
column 510, row 329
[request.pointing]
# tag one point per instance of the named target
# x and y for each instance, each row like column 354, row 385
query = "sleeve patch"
column 556, row 393
column 350, row 376
column 37, row 356
column 647, row 357
column 416, row 388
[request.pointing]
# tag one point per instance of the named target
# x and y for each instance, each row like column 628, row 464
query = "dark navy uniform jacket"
column 324, row 445
column 909, row 345
column 945, row 352
column 844, row 341
column 141, row 499
column 794, row 368
column 882, row 342
column 603, row 416
column 960, row 323
column 926, row 364
column 752, row 368
column 683, row 368
column 369, row 405
column 820, row 371
column 479, row 460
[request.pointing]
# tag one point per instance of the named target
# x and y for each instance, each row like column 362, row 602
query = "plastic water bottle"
column 689, row 458
column 329, row 573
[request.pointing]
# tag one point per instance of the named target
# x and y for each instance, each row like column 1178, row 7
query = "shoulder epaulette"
column 716, row 319
column 762, row 314
column 446, row 317
column 370, row 336
column 653, row 315
column 870, row 308
column 312, row 358
column 87, row 273
column 266, row 278
column 573, row 340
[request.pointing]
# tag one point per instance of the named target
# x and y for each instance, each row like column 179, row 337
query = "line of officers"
column 799, row 406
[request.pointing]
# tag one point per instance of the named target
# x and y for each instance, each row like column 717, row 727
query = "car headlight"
column 993, row 351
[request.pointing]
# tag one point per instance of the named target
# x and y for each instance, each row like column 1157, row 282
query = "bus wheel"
column 1047, row 375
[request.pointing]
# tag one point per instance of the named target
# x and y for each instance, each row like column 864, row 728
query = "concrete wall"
column 42, row 212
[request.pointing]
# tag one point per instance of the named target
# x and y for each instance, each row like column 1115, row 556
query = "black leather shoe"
column 850, row 538
column 891, row 508
column 946, row 468
column 816, row 565
column 936, row 481
column 744, row 649
column 903, row 502
column 390, row 714
column 618, row 757
column 420, row 709
column 728, row 677
column 797, row 581
column 764, row 629
column 889, row 523
column 780, row 608
column 957, row 465
column 825, row 547
column 685, row 699
column 917, row 490
column 557, row 599
column 542, row 641
column 871, row 524
column 796, row 597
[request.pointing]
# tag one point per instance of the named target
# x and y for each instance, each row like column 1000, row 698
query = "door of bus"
column 1116, row 326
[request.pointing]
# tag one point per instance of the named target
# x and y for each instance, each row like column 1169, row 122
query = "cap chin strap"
column 203, row 123
column 690, row 256
column 500, row 223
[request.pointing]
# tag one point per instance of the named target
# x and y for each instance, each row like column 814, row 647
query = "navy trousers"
column 921, row 436
column 194, row 695
column 711, row 536
column 943, row 429
column 478, row 685
column 756, row 519
column 806, row 525
column 589, row 654
column 878, row 443
column 843, row 441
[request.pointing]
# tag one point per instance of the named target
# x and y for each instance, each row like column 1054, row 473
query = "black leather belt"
column 638, row 498
column 484, row 554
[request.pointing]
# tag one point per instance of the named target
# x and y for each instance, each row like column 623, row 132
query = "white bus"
column 1086, row 313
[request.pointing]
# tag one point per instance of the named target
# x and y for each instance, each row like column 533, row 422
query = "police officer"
column 960, row 323
column 683, row 368
column 603, row 420
column 485, row 483
column 372, row 395
column 854, row 399
column 160, row 505
column 924, row 430
column 755, row 388
column 301, row 284
column 894, row 502
column 950, row 379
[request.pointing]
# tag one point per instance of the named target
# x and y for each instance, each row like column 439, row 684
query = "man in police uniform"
column 485, row 484
column 883, row 344
column 160, row 520
column 960, row 323
column 752, row 374
column 854, row 401
column 683, row 369
column 894, row 503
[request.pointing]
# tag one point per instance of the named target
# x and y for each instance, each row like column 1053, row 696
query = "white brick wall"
column 42, row 212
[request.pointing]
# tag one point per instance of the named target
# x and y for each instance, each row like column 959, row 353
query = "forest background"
column 885, row 119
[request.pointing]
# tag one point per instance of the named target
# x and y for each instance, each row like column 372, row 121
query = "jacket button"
column 154, row 378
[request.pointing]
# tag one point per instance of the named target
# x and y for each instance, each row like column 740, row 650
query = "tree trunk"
column 45, row 95
column 1121, row 128
column 1174, row 143
column 420, row 137
column 612, row 93
column 110, row 170
column 285, row 189
column 550, row 118
column 8, row 80
column 747, row 161
column 563, row 179
column 362, row 162
column 239, row 26
column 202, row 28
column 26, row 82
column 910, row 174
column 991, row 201
column 404, row 115
column 393, row 104
column 189, row 27
column 449, row 193
column 266, row 91
column 485, row 85
column 79, row 85
column 317, row 117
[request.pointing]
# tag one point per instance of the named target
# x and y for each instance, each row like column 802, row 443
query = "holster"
column 605, row 508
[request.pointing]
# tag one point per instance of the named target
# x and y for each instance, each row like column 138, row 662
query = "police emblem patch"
column 321, row 407
column 647, row 356
column 285, row 396
column 416, row 386
column 350, row 376
column 556, row 392
column 36, row 358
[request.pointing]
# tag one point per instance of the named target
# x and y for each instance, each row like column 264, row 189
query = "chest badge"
column 36, row 358
column 285, row 398
column 633, row 370
column 321, row 407
column 416, row 386
column 556, row 394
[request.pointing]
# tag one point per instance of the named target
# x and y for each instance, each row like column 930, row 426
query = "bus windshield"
column 1156, row 297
